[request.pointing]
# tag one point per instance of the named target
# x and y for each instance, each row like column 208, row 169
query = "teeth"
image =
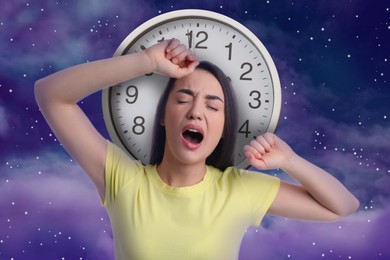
column 193, row 130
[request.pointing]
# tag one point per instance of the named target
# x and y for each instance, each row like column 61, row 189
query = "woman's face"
column 194, row 118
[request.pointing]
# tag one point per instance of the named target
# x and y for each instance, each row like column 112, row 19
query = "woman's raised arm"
column 319, row 197
column 58, row 94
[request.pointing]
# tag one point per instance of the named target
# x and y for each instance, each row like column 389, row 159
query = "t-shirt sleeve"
column 262, row 190
column 119, row 170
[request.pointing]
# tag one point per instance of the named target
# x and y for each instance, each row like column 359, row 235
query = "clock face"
column 129, row 108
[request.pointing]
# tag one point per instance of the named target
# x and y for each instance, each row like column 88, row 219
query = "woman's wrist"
column 149, row 62
column 291, row 163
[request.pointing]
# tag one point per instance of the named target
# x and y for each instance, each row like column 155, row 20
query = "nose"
column 196, row 111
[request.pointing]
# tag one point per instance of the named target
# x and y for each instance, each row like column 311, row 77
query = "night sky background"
column 333, row 62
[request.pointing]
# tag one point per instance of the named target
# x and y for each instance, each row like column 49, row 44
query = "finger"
column 258, row 164
column 178, row 52
column 270, row 138
column 187, row 68
column 192, row 65
column 264, row 143
column 172, row 44
column 184, row 59
column 181, row 58
column 191, row 57
column 252, row 160
column 250, row 151
column 258, row 146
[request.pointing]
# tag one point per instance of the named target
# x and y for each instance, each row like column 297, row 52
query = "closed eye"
column 213, row 108
column 182, row 101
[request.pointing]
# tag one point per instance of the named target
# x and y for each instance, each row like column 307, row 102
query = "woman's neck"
column 181, row 175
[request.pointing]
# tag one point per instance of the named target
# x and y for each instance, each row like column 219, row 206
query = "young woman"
column 189, row 203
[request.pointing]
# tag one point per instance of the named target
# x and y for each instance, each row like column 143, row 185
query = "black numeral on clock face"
column 229, row 46
column 132, row 94
column 203, row 38
column 244, row 129
column 138, row 127
column 256, row 95
column 249, row 68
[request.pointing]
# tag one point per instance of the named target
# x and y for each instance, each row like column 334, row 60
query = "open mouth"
column 193, row 136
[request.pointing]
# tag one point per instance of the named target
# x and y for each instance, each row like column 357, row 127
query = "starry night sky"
column 333, row 62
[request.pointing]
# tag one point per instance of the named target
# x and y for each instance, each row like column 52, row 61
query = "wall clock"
column 129, row 107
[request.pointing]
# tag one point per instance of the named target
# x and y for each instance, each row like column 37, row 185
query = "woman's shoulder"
column 119, row 160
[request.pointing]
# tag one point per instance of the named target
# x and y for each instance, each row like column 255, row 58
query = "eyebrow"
column 191, row 93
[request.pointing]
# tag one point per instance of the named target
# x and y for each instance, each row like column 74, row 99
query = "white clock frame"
column 263, row 72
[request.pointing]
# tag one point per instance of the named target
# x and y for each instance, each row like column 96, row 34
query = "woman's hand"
column 268, row 151
column 172, row 58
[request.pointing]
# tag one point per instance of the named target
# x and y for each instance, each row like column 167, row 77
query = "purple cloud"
column 361, row 236
column 49, row 210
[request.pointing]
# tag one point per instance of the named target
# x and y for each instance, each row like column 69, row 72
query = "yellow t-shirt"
column 151, row 220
